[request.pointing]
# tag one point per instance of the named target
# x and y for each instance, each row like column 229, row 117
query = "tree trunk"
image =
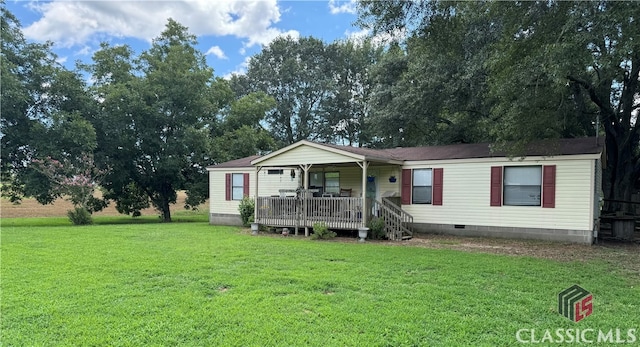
column 166, row 211
column 161, row 201
column 164, row 207
column 619, row 177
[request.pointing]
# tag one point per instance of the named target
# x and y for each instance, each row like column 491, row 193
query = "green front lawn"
column 195, row 284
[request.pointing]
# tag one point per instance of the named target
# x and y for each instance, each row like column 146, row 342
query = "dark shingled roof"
column 587, row 145
column 242, row 162
column 368, row 152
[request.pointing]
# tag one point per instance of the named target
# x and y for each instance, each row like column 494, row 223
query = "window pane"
column 315, row 179
column 332, row 182
column 238, row 193
column 238, row 180
column 522, row 195
column 421, row 195
column 523, row 175
column 422, row 177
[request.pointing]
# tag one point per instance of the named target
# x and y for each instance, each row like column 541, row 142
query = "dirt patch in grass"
column 31, row 208
column 623, row 255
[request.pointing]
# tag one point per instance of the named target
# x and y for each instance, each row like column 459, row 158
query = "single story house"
column 552, row 193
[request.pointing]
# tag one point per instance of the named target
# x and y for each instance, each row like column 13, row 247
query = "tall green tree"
column 432, row 85
column 295, row 72
column 44, row 110
column 528, row 70
column 241, row 132
column 156, row 112
column 573, row 65
column 347, row 109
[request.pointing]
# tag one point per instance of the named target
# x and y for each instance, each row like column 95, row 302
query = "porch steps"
column 396, row 220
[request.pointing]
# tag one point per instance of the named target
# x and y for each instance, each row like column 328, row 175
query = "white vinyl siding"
column 306, row 155
column 522, row 185
column 467, row 192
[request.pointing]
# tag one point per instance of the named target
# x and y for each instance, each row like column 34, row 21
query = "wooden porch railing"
column 277, row 211
column 336, row 212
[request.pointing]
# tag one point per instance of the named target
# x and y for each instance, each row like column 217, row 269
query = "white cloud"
column 217, row 51
column 74, row 23
column 86, row 50
column 337, row 6
column 268, row 36
column 61, row 60
column 241, row 69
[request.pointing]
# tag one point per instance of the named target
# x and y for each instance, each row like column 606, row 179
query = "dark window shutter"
column 227, row 187
column 246, row 185
column 406, row 187
column 549, row 186
column 437, row 187
column 496, row 186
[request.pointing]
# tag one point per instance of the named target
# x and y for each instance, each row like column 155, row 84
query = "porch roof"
column 307, row 152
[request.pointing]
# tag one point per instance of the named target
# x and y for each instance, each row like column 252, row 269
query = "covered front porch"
column 343, row 187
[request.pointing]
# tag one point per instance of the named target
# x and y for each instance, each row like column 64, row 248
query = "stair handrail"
column 406, row 217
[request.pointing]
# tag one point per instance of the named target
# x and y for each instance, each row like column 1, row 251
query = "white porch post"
column 305, row 168
column 364, row 165
column 255, row 198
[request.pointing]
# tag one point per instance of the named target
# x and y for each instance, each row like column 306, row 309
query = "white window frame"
column 522, row 186
column 235, row 187
column 423, row 183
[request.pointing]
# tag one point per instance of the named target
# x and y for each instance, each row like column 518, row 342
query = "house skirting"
column 563, row 235
column 225, row 219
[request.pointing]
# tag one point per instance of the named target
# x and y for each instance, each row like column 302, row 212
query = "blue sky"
column 228, row 31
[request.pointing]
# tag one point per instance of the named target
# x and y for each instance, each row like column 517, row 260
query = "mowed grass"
column 200, row 285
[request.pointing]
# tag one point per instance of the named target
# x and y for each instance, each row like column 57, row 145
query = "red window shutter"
column 437, row 187
column 227, row 187
column 549, row 186
column 405, row 193
column 496, row 186
column 246, row 185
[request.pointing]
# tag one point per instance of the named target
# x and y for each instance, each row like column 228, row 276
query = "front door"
column 371, row 193
column 372, row 190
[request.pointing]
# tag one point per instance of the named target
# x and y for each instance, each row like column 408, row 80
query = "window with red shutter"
column 237, row 185
column 227, row 187
column 437, row 186
column 521, row 185
column 405, row 192
column 496, row 186
column 245, row 187
column 549, row 186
